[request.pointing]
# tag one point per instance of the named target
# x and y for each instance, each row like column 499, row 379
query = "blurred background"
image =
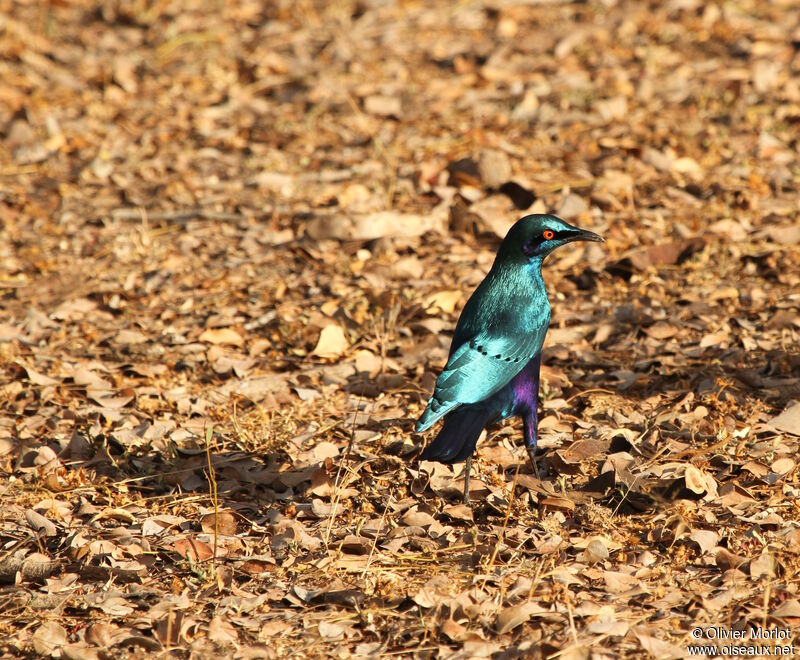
column 265, row 217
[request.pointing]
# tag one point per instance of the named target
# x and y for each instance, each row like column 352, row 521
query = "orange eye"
column 548, row 234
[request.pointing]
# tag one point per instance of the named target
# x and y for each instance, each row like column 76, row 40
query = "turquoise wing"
column 479, row 368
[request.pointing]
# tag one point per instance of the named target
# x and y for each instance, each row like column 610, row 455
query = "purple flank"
column 525, row 386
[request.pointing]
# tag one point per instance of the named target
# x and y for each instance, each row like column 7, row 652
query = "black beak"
column 585, row 235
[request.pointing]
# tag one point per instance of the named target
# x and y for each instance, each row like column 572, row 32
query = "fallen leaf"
column 788, row 421
column 494, row 168
column 695, row 479
column 221, row 631
column 331, row 630
column 332, row 342
column 665, row 254
column 443, row 301
column 657, row 648
column 705, row 538
column 221, row 336
column 39, row 524
column 596, row 551
column 193, row 549
column 617, row 583
column 461, row 512
column 727, row 560
column 788, row 609
column 514, row 616
column 763, row 566
column 38, row 378
column 782, row 466
column 49, row 639
column 383, row 106
column 223, row 521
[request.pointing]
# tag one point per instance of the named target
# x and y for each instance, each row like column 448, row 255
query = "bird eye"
column 548, row 234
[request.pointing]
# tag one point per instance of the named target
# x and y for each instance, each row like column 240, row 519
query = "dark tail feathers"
column 458, row 437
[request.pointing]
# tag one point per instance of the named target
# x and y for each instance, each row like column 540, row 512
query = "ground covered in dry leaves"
column 235, row 240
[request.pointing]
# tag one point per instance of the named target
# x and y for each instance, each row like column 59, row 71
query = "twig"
column 177, row 217
column 131, row 480
column 536, row 578
column 503, row 530
column 212, row 485
column 336, row 484
column 595, row 640
column 375, row 540
column 168, row 643
column 596, row 389
column 572, row 621
column 380, row 149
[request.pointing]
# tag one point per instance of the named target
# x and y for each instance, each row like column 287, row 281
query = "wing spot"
column 508, row 359
column 498, row 357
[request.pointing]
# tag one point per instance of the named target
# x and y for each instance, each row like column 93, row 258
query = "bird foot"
column 534, row 462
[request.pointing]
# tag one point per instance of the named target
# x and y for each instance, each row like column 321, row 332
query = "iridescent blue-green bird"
column 493, row 368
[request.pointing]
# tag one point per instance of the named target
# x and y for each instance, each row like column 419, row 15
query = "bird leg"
column 530, row 424
column 534, row 464
column 467, row 470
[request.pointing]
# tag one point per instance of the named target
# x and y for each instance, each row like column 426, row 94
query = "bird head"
column 536, row 236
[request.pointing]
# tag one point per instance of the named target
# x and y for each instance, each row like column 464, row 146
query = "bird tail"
column 459, row 435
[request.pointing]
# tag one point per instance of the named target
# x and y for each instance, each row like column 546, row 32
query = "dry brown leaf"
column 657, row 648
column 443, row 301
column 788, row 609
column 255, row 566
column 384, row 106
column 332, row 342
column 368, row 362
column 514, row 616
column 193, row 549
column 783, row 466
column 49, row 639
column 224, row 522
column 715, row 338
column 726, row 559
column 665, row 254
column 763, row 566
column 705, row 538
column 331, row 630
column 461, row 512
column 596, row 551
column 38, row 378
column 494, row 168
column 417, row 518
column 39, row 524
column 455, row 631
column 661, row 330
column 788, row 420
column 325, row 450
column 434, row 592
column 695, row 479
column 222, row 632
column 79, row 651
column 221, row 336
column 617, row 583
